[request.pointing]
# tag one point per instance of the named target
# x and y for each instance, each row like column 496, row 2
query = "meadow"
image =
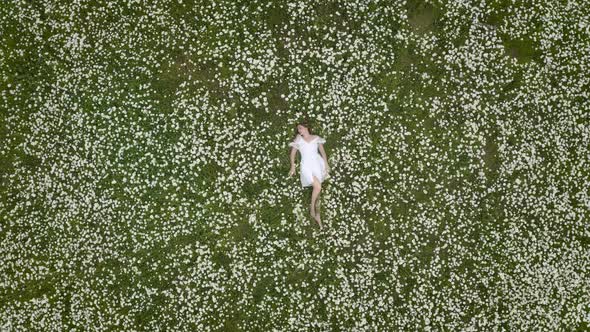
column 144, row 165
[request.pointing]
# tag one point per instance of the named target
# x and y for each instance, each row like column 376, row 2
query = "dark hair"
column 304, row 123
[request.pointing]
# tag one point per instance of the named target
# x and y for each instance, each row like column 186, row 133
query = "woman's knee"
column 316, row 182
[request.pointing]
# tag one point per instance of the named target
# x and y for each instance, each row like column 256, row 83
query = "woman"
column 314, row 168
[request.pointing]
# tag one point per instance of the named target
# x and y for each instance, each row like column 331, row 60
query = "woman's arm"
column 293, row 153
column 323, row 153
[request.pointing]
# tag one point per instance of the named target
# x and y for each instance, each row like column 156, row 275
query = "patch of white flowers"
column 144, row 161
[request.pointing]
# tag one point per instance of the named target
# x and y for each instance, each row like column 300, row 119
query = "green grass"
column 421, row 232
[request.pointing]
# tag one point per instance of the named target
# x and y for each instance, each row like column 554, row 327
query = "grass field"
column 144, row 165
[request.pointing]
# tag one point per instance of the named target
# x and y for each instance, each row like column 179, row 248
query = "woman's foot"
column 318, row 219
column 316, row 214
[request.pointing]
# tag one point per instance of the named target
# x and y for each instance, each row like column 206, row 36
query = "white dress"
column 312, row 162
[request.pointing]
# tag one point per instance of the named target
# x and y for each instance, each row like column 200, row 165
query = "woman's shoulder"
column 296, row 142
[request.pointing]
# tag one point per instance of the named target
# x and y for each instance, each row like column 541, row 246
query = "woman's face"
column 301, row 129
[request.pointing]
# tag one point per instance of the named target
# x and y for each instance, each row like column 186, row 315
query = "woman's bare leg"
column 315, row 194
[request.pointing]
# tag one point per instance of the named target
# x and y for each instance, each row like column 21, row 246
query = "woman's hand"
column 292, row 171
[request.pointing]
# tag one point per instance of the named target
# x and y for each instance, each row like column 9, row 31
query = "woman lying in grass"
column 314, row 167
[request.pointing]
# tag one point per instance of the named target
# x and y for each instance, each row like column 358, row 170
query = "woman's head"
column 303, row 129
